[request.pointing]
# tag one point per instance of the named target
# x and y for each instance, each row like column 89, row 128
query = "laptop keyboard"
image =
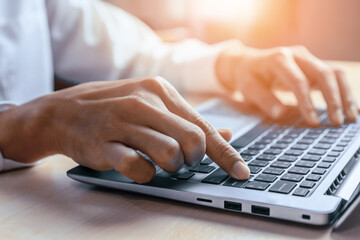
column 284, row 160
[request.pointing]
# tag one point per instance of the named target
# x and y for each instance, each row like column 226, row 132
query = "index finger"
column 217, row 148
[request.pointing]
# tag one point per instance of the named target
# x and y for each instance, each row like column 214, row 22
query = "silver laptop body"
column 322, row 204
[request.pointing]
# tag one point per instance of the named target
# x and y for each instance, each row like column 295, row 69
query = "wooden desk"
column 43, row 203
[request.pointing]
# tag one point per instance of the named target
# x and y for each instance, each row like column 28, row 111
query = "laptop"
column 298, row 173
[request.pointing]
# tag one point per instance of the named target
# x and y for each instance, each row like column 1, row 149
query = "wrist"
column 23, row 132
column 227, row 62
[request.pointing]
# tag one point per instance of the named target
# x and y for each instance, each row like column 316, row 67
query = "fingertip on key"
column 240, row 171
column 338, row 117
column 314, row 118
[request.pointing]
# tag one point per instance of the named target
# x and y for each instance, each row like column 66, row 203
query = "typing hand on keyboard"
column 256, row 72
column 103, row 125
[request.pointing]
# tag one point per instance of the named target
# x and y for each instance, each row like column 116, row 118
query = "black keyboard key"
column 279, row 146
column 282, row 187
column 332, row 135
column 346, row 139
column 206, row 161
column 216, row 177
column 273, row 151
column 248, row 137
column 249, row 152
column 300, row 147
column 329, row 159
column 258, row 163
column 307, row 184
column 202, row 169
column 311, row 158
column 293, row 152
column 271, row 135
column 327, row 140
column 292, row 135
column 324, row 165
column 266, row 178
column 306, row 164
column 324, row 146
column 274, row 171
column 257, row 147
column 319, row 171
column 342, row 144
column 301, row 192
column 333, row 154
column 287, row 158
column 254, row 170
column 336, row 131
column 292, row 177
column 299, row 170
column 338, row 149
column 185, row 175
column 313, row 177
column 309, row 136
column 315, row 131
column 247, row 158
column 279, row 164
column 264, row 141
column 316, row 152
column 257, row 185
column 305, row 141
column 266, row 157
column 232, row 182
column 285, row 140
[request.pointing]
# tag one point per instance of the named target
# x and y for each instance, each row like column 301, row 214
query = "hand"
column 102, row 124
column 255, row 72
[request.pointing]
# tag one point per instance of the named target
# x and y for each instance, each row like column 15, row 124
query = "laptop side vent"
column 335, row 185
column 340, row 178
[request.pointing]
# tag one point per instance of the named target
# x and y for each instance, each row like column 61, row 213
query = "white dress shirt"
column 90, row 40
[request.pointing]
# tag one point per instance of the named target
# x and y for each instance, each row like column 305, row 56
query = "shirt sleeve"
column 93, row 40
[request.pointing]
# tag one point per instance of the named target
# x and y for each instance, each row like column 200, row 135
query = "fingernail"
column 240, row 170
column 338, row 116
column 314, row 118
column 276, row 111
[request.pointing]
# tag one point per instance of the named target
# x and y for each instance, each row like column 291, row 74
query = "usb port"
column 233, row 206
column 260, row 210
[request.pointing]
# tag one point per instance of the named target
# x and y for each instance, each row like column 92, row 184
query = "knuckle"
column 300, row 49
column 195, row 141
column 134, row 102
column 225, row 152
column 156, row 84
column 170, row 156
column 171, row 149
column 281, row 54
column 204, row 125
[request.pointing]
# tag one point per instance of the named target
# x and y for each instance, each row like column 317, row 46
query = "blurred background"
column 329, row 28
